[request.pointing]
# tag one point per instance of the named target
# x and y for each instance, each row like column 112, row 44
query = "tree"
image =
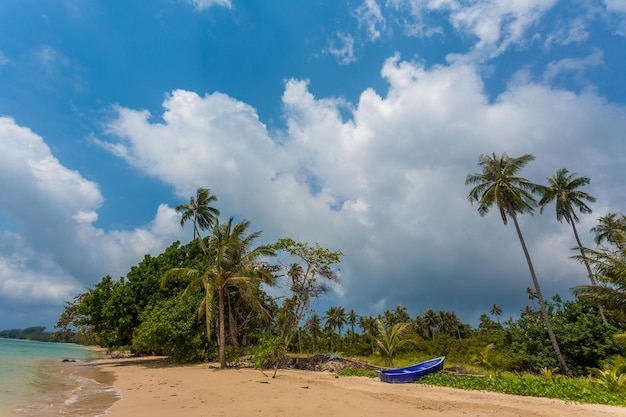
column 335, row 318
column 496, row 311
column 498, row 185
column 392, row 339
column 369, row 326
column 230, row 262
column 351, row 321
column 563, row 189
column 610, row 270
column 612, row 229
column 199, row 211
column 531, row 295
column 430, row 322
column 308, row 279
column 314, row 326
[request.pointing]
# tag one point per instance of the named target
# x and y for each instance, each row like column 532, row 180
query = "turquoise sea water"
column 51, row 379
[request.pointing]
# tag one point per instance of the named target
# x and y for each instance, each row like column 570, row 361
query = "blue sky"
column 348, row 123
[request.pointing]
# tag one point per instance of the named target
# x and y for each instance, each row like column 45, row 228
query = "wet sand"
column 150, row 387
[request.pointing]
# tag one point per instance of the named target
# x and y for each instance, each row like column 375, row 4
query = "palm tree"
column 430, row 322
column 531, row 295
column 369, row 327
column 335, row 319
column 199, row 211
column 230, row 262
column 612, row 229
column 392, row 339
column 610, row 267
column 563, row 190
column 351, row 321
column 496, row 311
column 498, row 185
column 314, row 326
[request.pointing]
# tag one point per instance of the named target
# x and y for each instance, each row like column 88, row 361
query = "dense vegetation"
column 208, row 299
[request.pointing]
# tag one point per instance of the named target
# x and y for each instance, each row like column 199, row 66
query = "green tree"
column 612, row 229
column 430, row 321
column 308, row 278
column 392, row 339
column 230, row 262
column 369, row 326
column 610, row 270
column 499, row 185
column 199, row 211
column 314, row 326
column 496, row 311
column 335, row 318
column 563, row 189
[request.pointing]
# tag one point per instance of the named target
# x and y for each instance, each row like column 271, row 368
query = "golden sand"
column 151, row 388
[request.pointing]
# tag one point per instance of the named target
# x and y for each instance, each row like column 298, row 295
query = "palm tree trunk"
column 590, row 274
column 542, row 304
column 221, row 339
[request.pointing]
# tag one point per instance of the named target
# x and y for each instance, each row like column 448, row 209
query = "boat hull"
column 411, row 373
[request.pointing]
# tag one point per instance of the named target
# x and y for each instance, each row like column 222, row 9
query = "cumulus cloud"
column 53, row 250
column 386, row 184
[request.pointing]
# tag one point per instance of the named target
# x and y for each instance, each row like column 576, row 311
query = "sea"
column 40, row 379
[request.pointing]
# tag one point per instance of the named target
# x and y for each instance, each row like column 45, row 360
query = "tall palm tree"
column 496, row 311
column 351, row 320
column 531, row 295
column 499, row 185
column 230, row 262
column 430, row 321
column 335, row 319
column 199, row 211
column 563, row 189
column 314, row 326
column 369, row 326
column 612, row 229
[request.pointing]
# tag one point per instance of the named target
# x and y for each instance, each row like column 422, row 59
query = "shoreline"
column 151, row 387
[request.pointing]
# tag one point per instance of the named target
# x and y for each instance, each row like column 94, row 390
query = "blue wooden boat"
column 411, row 373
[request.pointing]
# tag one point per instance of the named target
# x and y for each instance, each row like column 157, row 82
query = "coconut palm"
column 499, row 185
column 430, row 321
column 314, row 326
column 612, row 229
column 531, row 295
column 392, row 339
column 563, row 189
column 230, row 261
column 610, row 267
column 335, row 318
column 369, row 326
column 496, row 311
column 199, row 211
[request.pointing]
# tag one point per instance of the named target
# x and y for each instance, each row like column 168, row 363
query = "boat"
column 411, row 373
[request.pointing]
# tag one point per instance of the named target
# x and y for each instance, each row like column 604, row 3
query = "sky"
column 352, row 124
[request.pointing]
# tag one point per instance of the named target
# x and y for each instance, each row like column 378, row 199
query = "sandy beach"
column 150, row 387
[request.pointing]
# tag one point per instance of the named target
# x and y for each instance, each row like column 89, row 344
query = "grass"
column 581, row 390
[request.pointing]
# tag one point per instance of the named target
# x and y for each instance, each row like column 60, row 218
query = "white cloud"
column 572, row 65
column 370, row 16
column 3, row 59
column 342, row 48
column 495, row 24
column 386, row 185
column 200, row 5
column 54, row 249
